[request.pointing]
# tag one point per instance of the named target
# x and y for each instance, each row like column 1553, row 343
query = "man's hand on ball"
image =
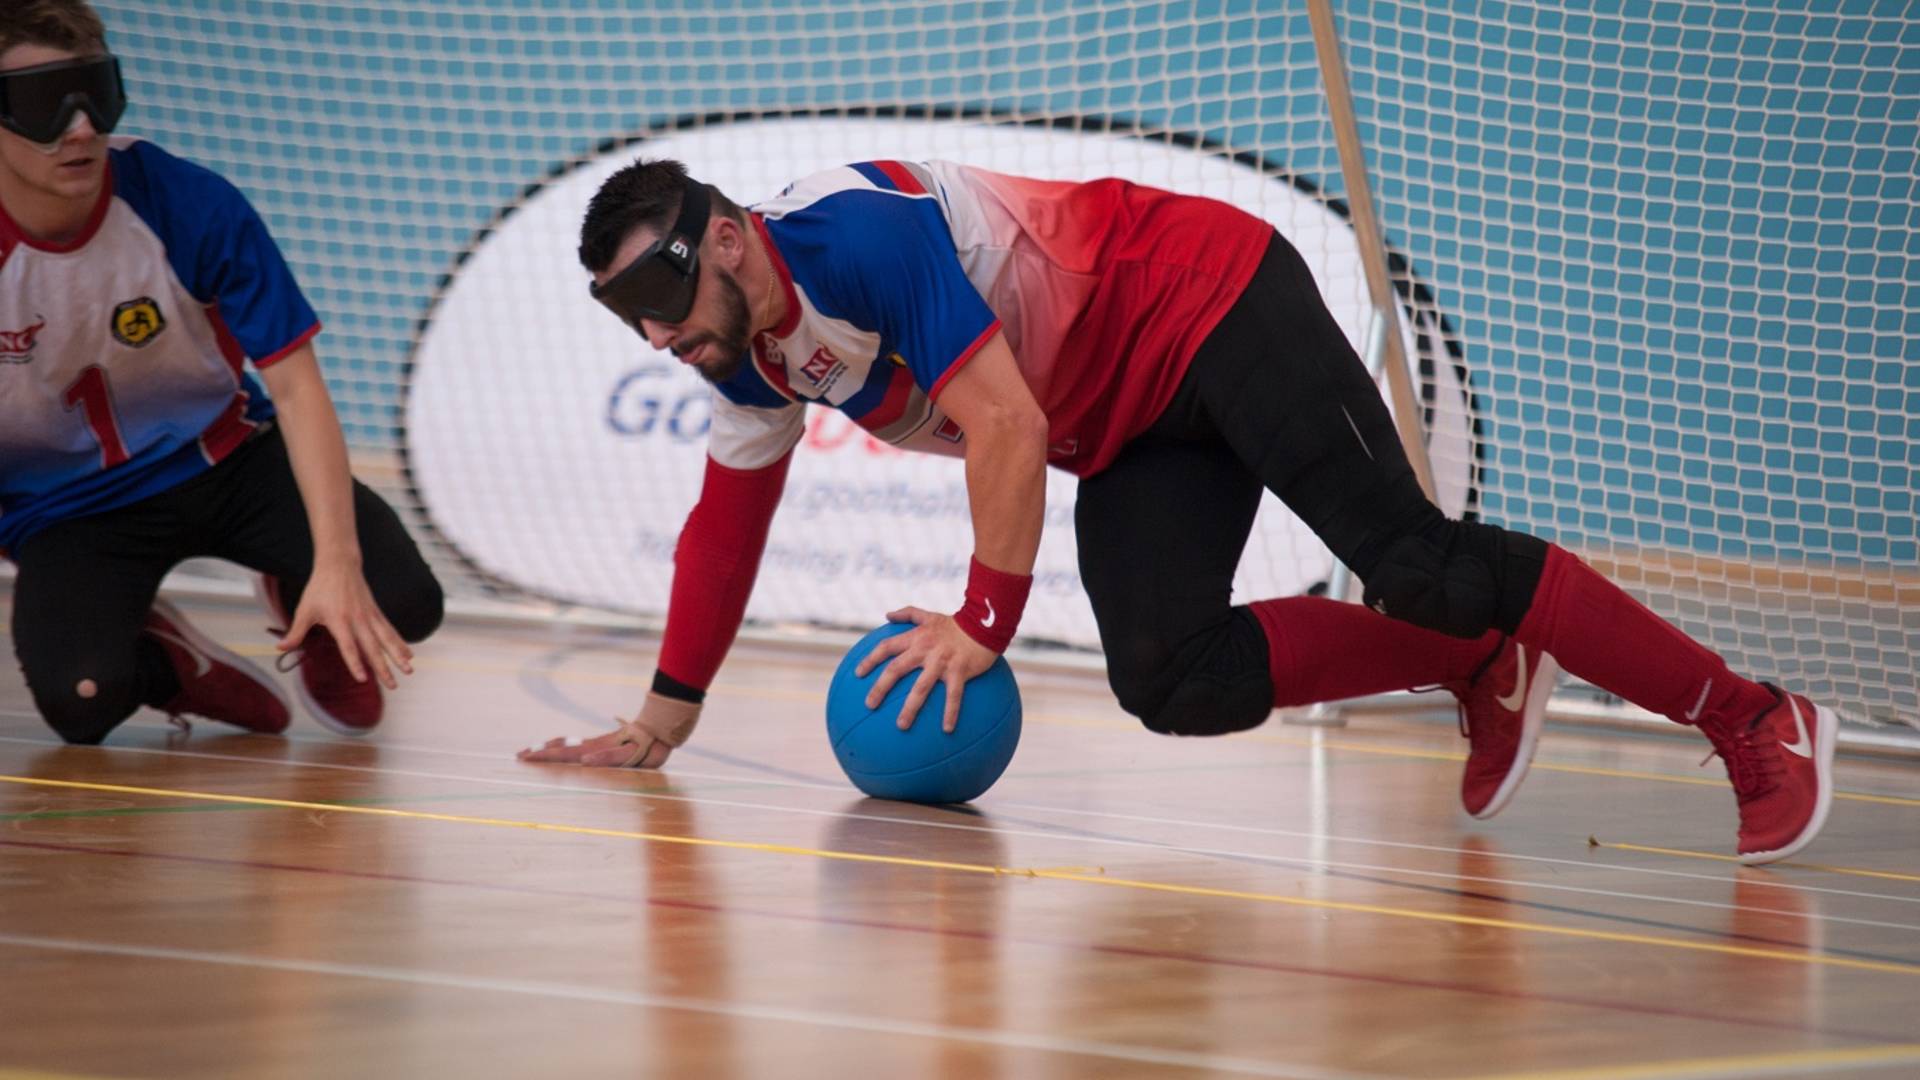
column 939, row 649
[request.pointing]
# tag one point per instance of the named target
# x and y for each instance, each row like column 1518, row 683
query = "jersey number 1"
column 95, row 399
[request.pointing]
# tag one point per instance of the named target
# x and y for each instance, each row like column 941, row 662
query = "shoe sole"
column 192, row 635
column 1533, row 717
column 307, row 703
column 1826, row 722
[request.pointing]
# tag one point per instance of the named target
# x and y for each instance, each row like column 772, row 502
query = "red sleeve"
column 714, row 566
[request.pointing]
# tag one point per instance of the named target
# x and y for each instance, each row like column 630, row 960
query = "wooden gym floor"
column 1287, row 902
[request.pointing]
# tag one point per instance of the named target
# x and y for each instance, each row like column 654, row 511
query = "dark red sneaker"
column 215, row 682
column 325, row 686
column 1781, row 765
column 1502, row 709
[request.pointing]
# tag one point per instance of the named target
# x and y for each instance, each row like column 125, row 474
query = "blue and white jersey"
column 879, row 315
column 122, row 352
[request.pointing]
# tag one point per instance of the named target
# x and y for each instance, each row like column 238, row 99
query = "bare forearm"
column 318, row 453
column 1006, row 457
column 1007, row 492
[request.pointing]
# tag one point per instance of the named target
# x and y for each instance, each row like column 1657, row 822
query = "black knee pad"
column 420, row 616
column 1461, row 578
column 1200, row 706
column 1417, row 582
column 1216, row 684
column 85, row 721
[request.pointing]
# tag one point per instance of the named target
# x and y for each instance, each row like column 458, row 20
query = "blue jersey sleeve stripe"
column 872, row 172
column 265, row 362
column 961, row 361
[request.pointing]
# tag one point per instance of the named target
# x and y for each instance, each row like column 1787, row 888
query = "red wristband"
column 995, row 601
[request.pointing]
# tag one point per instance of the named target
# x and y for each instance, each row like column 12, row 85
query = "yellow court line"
column 977, row 868
column 782, row 694
column 1581, row 770
column 1894, row 1053
column 1890, row 875
column 1050, row 871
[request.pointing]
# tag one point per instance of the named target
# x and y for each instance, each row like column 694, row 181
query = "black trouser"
column 1275, row 398
column 84, row 585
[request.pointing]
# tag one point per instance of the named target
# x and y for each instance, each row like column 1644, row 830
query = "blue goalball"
column 922, row 764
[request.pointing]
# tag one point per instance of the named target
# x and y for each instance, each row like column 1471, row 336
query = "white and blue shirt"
column 879, row 314
column 123, row 351
column 896, row 273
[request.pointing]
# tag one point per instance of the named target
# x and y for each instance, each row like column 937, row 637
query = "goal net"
column 1658, row 271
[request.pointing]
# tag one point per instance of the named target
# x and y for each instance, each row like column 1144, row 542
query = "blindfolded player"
column 1173, row 353
column 135, row 290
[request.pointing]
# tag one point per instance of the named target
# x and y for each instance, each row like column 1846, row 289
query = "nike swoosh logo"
column 1519, row 698
column 1694, row 713
column 200, row 662
column 987, row 623
column 1804, row 745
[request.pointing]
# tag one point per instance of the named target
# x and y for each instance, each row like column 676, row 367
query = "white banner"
column 559, row 453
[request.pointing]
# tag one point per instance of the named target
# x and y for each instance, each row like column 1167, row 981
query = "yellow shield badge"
column 137, row 322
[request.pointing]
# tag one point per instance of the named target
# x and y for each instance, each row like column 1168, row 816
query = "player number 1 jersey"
column 122, row 352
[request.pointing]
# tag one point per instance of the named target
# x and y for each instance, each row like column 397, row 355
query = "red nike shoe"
column 215, row 682
column 328, row 690
column 1781, row 766
column 1502, row 709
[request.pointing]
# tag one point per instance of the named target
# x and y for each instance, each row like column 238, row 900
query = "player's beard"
column 729, row 341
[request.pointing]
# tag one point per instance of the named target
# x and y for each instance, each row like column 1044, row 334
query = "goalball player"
column 1175, row 354
column 134, row 289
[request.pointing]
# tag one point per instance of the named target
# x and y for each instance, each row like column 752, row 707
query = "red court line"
column 991, row 937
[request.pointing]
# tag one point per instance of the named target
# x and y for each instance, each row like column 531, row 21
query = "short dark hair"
column 645, row 193
column 71, row 25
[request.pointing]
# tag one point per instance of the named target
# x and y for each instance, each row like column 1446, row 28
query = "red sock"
column 1324, row 650
column 1611, row 640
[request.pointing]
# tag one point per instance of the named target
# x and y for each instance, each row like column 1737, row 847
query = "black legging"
column 84, row 585
column 1275, row 398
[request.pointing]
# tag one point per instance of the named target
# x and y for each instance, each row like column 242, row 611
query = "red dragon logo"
column 16, row 346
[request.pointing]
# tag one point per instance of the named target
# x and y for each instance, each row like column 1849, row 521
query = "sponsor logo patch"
column 137, row 322
column 823, row 370
column 16, row 346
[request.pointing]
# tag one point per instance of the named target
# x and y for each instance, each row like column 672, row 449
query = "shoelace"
column 335, row 676
column 1460, row 709
column 290, row 659
column 1750, row 767
column 1466, row 687
column 1459, row 706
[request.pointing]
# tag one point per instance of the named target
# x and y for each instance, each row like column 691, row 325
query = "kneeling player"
column 134, row 287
